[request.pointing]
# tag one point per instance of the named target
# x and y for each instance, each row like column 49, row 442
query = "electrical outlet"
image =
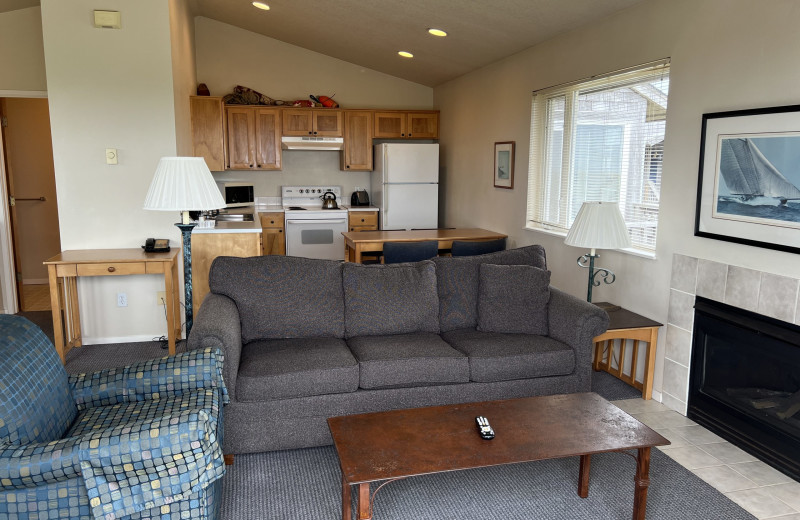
column 161, row 298
column 122, row 299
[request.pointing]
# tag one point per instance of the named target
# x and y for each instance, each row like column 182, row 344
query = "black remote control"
column 484, row 428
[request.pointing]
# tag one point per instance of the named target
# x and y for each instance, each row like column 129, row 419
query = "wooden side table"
column 625, row 325
column 67, row 266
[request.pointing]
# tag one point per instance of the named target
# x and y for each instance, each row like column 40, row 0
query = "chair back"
column 36, row 403
column 470, row 248
column 397, row 252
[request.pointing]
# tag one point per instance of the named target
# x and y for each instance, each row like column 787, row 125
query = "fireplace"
column 744, row 383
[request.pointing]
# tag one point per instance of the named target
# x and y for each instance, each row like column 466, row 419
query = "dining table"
column 357, row 243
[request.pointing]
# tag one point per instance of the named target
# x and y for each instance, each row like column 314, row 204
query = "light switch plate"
column 111, row 156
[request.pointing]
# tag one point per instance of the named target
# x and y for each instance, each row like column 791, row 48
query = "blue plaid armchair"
column 142, row 441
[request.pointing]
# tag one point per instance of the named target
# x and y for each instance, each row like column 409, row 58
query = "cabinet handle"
column 315, row 133
column 409, row 135
column 252, row 166
column 362, row 220
column 112, row 269
column 347, row 167
column 310, row 132
column 280, row 231
column 402, row 135
column 271, row 221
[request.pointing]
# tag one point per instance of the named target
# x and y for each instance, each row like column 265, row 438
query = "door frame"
column 8, row 281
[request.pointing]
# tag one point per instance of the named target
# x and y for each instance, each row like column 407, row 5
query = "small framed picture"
column 504, row 165
column 749, row 183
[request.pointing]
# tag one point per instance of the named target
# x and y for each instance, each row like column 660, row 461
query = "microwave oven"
column 237, row 194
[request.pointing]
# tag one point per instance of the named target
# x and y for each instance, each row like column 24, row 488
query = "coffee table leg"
column 364, row 509
column 583, row 477
column 346, row 500
column 642, row 482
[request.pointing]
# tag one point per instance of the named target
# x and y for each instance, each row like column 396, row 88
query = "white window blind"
column 600, row 139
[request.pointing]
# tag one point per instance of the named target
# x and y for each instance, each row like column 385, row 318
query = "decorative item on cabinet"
column 273, row 239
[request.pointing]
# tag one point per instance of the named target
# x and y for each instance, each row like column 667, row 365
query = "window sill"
column 650, row 255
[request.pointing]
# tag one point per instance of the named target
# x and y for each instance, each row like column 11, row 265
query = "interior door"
column 31, row 183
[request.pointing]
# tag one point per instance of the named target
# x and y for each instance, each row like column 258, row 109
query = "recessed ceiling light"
column 405, row 54
column 261, row 5
column 437, row 32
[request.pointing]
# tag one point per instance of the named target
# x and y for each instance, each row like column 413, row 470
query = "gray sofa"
column 308, row 339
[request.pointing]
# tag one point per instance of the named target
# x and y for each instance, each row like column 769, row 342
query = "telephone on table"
column 156, row 245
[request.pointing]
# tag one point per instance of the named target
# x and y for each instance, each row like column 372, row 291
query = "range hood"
column 312, row 143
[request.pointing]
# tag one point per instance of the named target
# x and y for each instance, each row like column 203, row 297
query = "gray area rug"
column 306, row 484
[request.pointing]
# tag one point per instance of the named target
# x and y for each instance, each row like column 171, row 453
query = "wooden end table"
column 627, row 325
column 65, row 268
column 387, row 446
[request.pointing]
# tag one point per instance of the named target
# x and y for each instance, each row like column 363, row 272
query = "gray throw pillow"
column 513, row 299
column 390, row 299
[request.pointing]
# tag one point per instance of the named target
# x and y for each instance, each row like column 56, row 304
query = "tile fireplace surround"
column 768, row 294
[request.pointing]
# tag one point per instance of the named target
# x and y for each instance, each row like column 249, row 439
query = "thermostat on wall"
column 107, row 19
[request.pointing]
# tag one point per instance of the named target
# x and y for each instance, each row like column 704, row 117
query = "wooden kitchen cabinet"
column 273, row 238
column 208, row 135
column 207, row 246
column 363, row 220
column 319, row 122
column 254, row 138
column 405, row 124
column 357, row 152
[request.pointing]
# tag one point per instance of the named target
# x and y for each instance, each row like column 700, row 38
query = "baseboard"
column 35, row 281
column 657, row 396
column 102, row 340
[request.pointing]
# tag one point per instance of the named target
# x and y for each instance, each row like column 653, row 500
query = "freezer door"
column 411, row 162
column 410, row 206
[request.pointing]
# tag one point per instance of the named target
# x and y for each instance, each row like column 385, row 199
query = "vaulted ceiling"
column 370, row 33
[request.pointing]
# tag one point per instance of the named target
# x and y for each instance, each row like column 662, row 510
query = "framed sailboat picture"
column 749, row 182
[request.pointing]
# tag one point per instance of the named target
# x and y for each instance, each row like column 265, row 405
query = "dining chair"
column 470, row 248
column 396, row 252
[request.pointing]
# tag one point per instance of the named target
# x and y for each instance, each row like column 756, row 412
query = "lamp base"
column 186, row 233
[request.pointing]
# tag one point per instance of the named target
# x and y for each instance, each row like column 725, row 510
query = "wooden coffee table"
column 403, row 443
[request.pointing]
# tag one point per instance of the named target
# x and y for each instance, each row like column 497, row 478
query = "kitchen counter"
column 358, row 208
column 233, row 226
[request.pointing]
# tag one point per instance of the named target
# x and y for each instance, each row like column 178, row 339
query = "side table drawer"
column 106, row 269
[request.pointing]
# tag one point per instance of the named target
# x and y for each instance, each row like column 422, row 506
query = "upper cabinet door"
column 328, row 123
column 241, row 138
column 423, row 125
column 298, row 122
column 268, row 138
column 390, row 125
column 357, row 154
column 208, row 134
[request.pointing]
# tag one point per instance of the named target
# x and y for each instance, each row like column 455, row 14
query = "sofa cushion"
column 513, row 299
column 458, row 278
column 282, row 296
column 36, row 403
column 390, row 299
column 287, row 368
column 405, row 360
column 502, row 357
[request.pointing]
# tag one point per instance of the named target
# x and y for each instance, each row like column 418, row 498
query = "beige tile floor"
column 755, row 486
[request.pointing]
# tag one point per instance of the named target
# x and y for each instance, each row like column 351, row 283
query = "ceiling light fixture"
column 405, row 54
column 437, row 32
column 261, row 5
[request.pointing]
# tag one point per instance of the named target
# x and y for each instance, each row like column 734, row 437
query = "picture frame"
column 504, row 164
column 748, row 189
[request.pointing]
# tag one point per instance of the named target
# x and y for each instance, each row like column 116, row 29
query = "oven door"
column 319, row 238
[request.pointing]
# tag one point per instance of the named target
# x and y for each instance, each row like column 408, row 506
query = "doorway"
column 27, row 155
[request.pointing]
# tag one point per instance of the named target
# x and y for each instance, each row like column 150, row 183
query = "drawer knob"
column 112, row 269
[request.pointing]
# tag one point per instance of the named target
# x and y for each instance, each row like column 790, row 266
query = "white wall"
column 111, row 89
column 21, row 51
column 726, row 55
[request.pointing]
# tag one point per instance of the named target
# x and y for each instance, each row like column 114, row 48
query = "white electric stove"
column 311, row 231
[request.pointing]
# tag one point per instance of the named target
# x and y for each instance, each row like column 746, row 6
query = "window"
column 600, row 139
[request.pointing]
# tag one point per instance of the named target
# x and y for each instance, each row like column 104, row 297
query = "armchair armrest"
column 218, row 325
column 151, row 379
column 31, row 465
column 576, row 322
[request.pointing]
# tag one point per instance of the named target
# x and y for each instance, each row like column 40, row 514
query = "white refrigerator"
column 405, row 185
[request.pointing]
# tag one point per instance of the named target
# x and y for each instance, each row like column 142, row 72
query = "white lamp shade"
column 599, row 225
column 182, row 184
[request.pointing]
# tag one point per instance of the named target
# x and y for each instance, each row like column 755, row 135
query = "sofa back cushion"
column 390, row 299
column 458, row 280
column 282, row 296
column 36, row 403
column 512, row 299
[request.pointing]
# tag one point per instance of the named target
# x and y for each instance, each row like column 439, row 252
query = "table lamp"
column 599, row 225
column 184, row 184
